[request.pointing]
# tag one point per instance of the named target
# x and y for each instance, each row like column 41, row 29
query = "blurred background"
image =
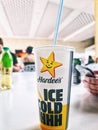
column 32, row 22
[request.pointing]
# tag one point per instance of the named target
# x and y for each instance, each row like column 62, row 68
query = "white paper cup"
column 54, row 70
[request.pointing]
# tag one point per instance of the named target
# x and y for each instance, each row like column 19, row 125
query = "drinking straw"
column 58, row 22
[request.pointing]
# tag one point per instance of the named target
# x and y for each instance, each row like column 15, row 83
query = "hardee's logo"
column 49, row 64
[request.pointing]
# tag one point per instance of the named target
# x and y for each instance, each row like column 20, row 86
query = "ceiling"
column 37, row 19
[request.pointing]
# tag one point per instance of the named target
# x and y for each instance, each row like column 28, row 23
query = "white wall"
column 16, row 43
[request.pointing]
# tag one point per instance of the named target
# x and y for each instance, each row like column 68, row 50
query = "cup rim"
column 56, row 46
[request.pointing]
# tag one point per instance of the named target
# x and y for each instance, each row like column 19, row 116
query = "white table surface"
column 19, row 107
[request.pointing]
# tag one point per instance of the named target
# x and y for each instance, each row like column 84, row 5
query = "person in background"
column 29, row 57
column 90, row 60
column 97, row 60
column 91, row 84
column 16, row 67
column 28, row 60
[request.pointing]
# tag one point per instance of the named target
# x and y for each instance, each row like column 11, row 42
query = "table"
column 19, row 107
column 83, row 109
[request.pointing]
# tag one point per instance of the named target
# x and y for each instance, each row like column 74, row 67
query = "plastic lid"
column 5, row 48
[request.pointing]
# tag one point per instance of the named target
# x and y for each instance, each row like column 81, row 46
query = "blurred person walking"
column 29, row 60
column 29, row 57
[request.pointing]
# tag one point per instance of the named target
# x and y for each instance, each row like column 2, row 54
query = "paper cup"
column 54, row 70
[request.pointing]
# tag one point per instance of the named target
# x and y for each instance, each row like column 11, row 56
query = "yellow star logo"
column 49, row 64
